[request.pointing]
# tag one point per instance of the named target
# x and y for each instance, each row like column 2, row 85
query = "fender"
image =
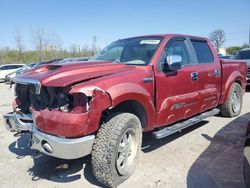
column 236, row 75
column 129, row 91
column 100, row 101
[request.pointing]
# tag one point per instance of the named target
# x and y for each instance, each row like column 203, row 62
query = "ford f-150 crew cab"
column 158, row 83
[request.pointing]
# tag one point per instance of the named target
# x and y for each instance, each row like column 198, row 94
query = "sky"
column 77, row 21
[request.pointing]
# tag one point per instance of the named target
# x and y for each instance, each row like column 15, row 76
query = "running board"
column 184, row 124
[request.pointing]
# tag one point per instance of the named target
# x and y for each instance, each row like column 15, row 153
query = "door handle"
column 147, row 80
column 194, row 76
column 216, row 73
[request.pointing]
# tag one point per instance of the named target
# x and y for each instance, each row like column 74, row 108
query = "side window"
column 176, row 47
column 203, row 52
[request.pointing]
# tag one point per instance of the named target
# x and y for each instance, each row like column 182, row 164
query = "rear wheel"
column 232, row 106
column 115, row 151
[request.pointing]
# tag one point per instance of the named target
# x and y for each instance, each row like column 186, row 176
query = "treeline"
column 234, row 49
column 8, row 56
column 46, row 46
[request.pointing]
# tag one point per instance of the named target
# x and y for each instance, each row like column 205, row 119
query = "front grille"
column 27, row 97
column 48, row 97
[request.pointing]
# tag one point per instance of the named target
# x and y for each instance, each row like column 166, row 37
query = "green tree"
column 233, row 49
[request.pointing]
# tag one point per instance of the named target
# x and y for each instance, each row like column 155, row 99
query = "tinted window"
column 203, row 52
column 133, row 51
column 15, row 66
column 243, row 55
column 9, row 67
column 179, row 48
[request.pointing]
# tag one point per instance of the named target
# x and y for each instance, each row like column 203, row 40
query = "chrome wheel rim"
column 236, row 102
column 126, row 152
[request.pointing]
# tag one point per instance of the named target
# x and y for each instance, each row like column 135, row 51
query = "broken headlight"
column 76, row 103
column 61, row 99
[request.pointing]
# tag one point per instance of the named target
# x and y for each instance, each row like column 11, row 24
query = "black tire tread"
column 226, row 108
column 105, row 146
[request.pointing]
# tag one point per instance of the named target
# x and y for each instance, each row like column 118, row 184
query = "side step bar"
column 184, row 124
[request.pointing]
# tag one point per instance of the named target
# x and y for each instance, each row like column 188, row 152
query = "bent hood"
column 63, row 75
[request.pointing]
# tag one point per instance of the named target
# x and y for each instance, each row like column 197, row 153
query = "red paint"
column 110, row 84
column 60, row 123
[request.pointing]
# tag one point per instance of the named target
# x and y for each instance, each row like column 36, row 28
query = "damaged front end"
column 61, row 120
column 15, row 122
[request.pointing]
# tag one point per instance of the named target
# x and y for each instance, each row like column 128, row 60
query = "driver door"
column 177, row 92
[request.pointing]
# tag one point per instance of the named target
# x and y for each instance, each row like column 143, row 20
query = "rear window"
column 203, row 52
column 243, row 55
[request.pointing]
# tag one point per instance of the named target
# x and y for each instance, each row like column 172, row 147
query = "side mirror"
column 173, row 63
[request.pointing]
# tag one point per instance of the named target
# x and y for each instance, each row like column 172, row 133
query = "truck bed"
column 231, row 68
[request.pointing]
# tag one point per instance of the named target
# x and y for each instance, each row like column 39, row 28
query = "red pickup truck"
column 158, row 83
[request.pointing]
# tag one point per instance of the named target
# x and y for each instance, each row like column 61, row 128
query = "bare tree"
column 47, row 44
column 73, row 49
column 58, row 45
column 19, row 43
column 217, row 37
column 53, row 44
column 39, row 41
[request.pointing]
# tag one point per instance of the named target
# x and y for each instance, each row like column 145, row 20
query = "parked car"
column 10, row 76
column 39, row 64
column 8, row 68
column 227, row 57
column 47, row 62
column 244, row 54
column 158, row 83
column 71, row 60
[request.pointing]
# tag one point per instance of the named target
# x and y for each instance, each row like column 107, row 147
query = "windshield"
column 133, row 51
column 243, row 55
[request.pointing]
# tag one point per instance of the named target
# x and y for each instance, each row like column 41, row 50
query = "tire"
column 116, row 149
column 232, row 106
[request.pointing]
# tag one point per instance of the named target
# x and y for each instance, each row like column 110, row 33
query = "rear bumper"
column 63, row 148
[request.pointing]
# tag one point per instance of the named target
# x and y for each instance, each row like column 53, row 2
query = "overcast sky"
column 77, row 21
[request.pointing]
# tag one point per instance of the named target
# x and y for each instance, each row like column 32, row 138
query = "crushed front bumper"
column 18, row 122
column 59, row 147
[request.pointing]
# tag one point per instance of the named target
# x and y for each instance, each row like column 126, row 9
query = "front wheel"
column 115, row 150
column 232, row 106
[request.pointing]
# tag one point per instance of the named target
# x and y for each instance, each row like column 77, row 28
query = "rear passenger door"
column 209, row 73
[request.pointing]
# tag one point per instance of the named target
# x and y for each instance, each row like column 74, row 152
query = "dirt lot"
column 208, row 154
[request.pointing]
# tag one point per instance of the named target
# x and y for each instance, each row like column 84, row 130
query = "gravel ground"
column 208, row 154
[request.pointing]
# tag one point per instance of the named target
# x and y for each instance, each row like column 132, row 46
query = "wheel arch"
column 129, row 106
column 235, row 77
column 135, row 99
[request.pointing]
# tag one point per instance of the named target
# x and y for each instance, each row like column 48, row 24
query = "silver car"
column 244, row 54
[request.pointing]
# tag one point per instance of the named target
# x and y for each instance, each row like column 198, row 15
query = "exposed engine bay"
column 51, row 98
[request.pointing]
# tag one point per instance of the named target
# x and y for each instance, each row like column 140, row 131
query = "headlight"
column 78, row 102
column 72, row 103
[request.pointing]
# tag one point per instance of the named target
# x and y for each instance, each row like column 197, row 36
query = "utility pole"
column 249, row 37
column 94, row 45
